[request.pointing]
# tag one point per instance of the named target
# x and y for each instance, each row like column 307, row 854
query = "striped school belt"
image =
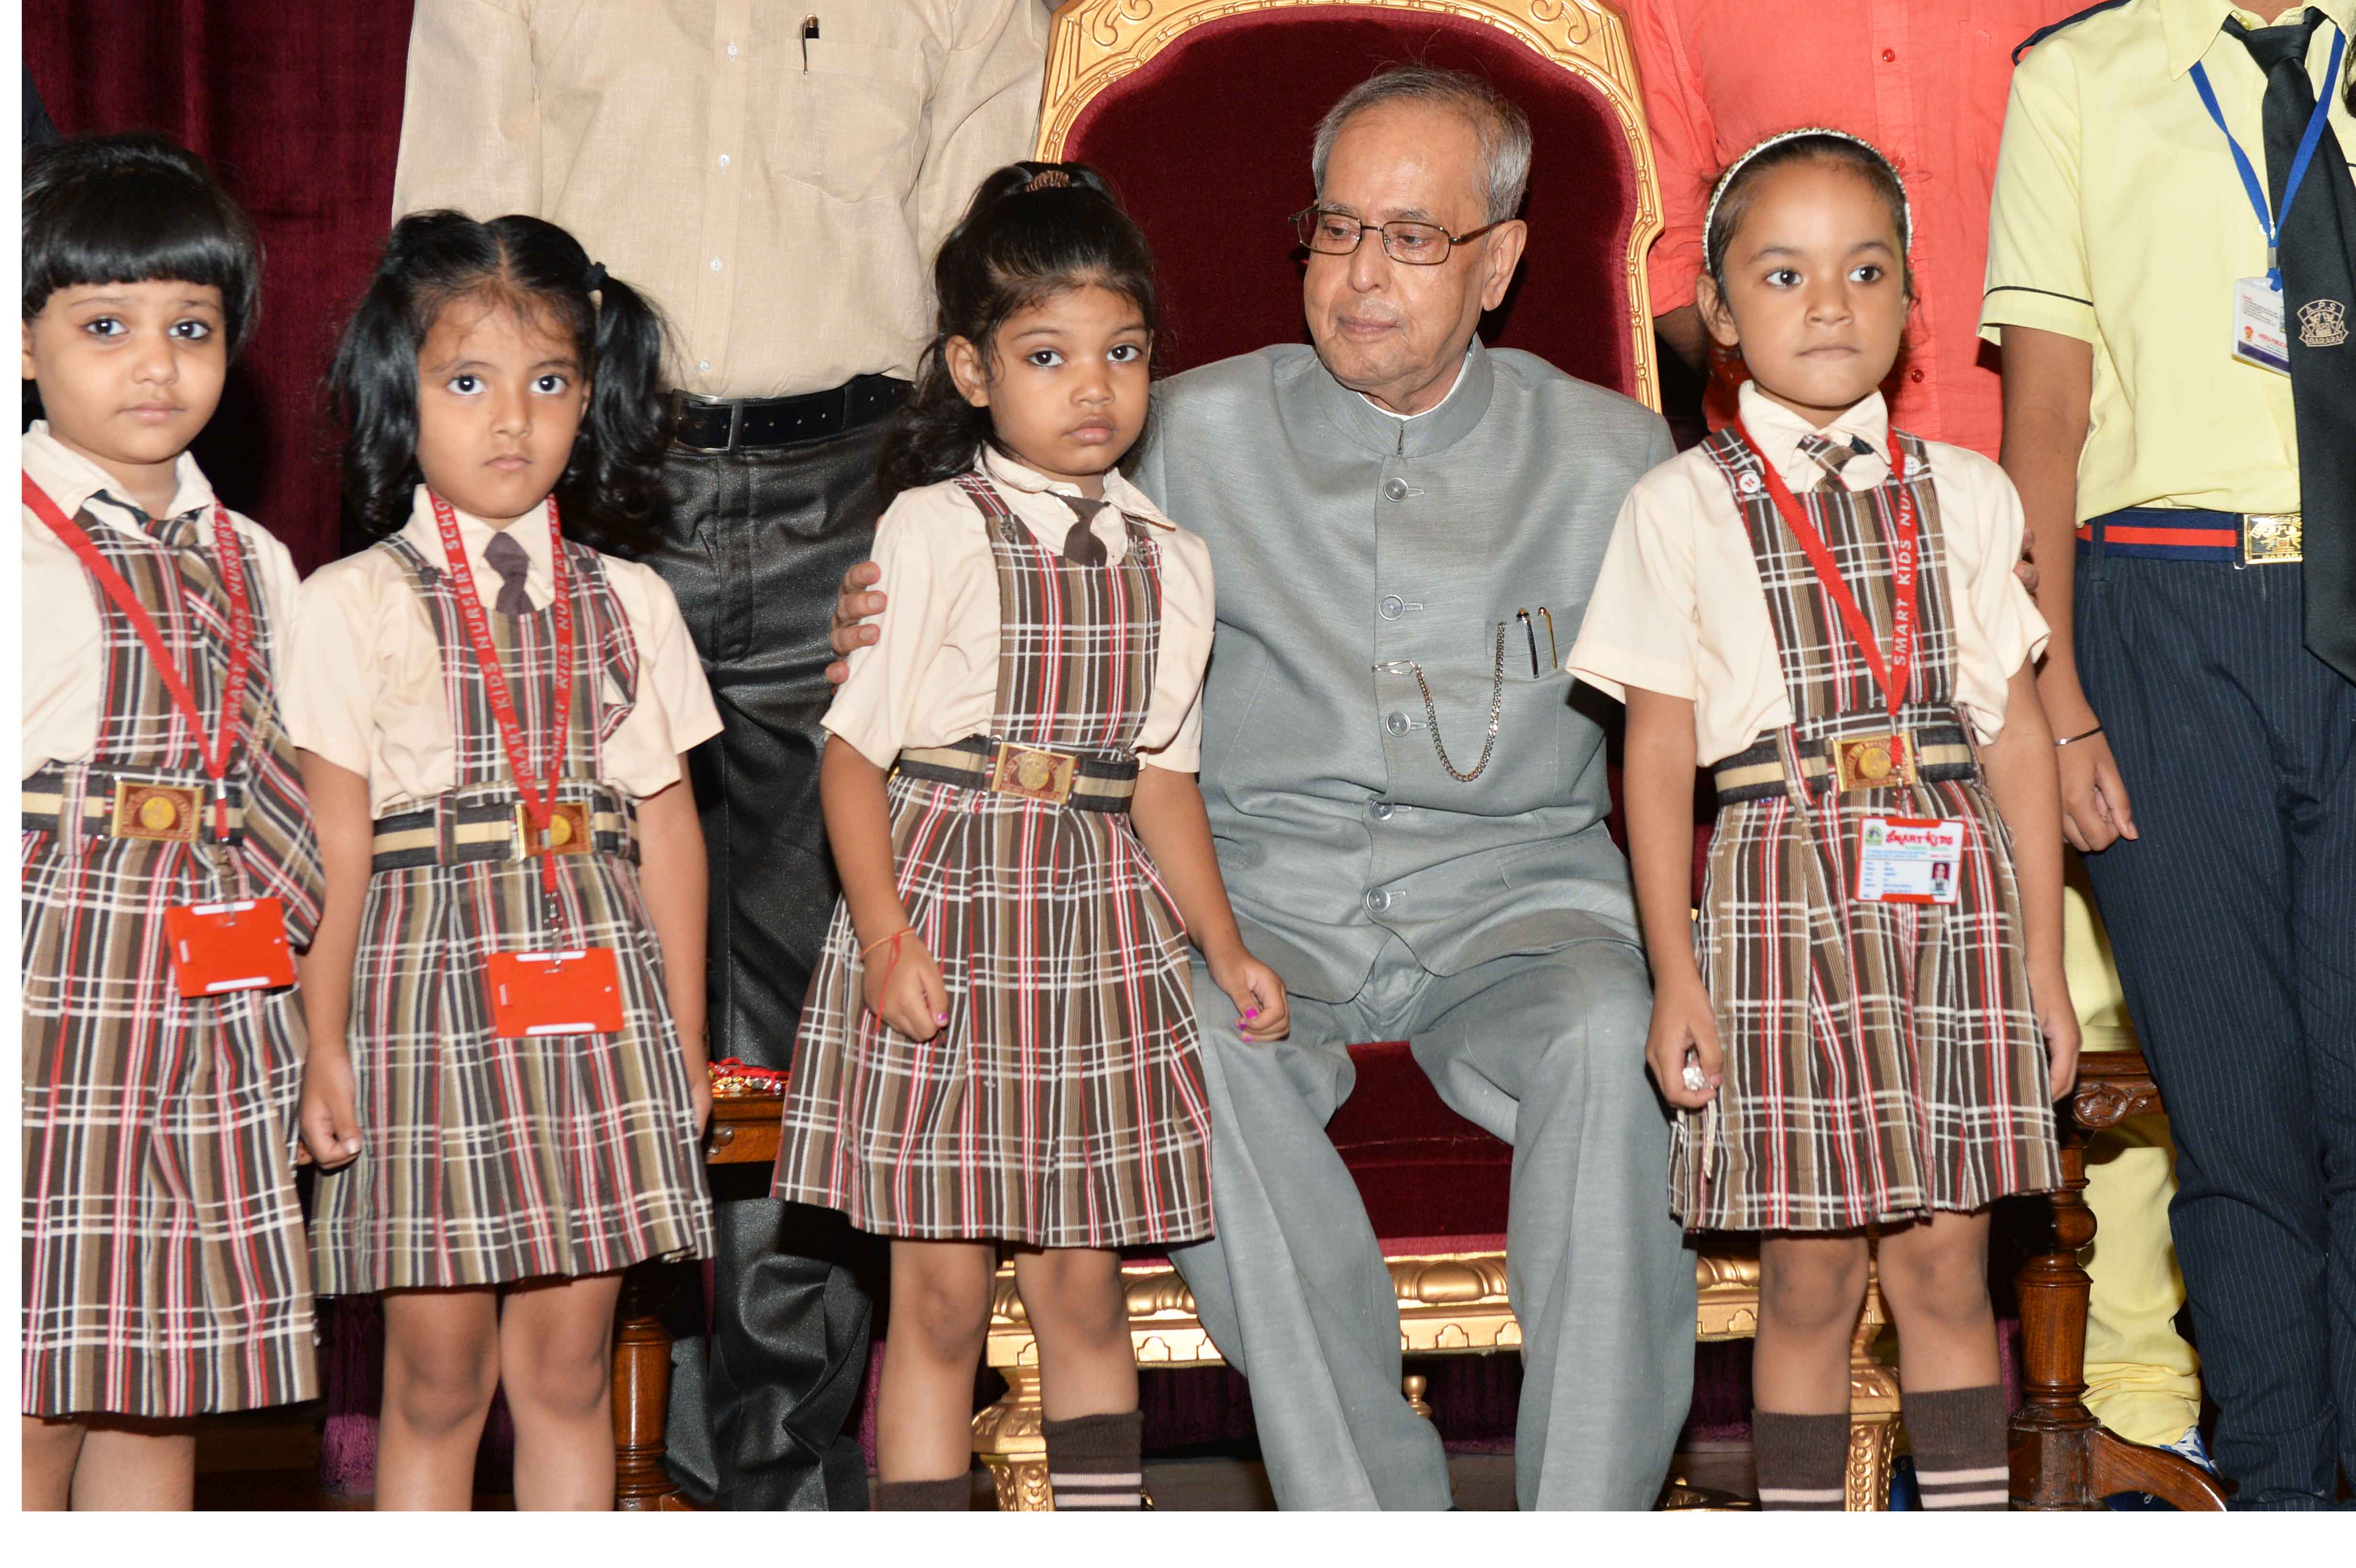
column 126, row 802
column 461, row 829
column 2161, row 533
column 1085, row 782
column 1937, row 752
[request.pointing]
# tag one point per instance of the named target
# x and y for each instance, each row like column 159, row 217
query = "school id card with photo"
column 1908, row 861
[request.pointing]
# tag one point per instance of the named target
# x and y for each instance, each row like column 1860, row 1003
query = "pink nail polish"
column 1251, row 1012
column 940, row 1018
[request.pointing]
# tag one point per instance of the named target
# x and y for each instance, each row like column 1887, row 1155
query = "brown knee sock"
column 1958, row 1437
column 1097, row 1461
column 1802, row 1460
column 954, row 1494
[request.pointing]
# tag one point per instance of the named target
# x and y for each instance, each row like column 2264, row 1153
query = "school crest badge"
column 2323, row 323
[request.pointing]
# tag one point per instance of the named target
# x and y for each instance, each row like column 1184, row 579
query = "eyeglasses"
column 1330, row 233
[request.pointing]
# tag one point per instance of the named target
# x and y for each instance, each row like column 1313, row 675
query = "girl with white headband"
column 1871, row 1022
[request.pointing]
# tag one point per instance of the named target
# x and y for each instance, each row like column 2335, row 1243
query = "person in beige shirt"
column 1678, row 608
column 368, row 693
column 932, row 679
column 62, row 636
column 777, row 178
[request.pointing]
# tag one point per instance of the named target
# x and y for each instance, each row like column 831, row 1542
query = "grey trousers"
column 1547, row 1051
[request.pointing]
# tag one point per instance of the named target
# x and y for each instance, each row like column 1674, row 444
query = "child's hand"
column 1682, row 1022
column 699, row 1098
column 331, row 1129
column 904, row 987
column 2049, row 989
column 1258, row 992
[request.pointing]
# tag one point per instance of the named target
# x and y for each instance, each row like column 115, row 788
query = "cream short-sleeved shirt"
column 1680, row 609
column 61, row 626
column 2119, row 220
column 366, row 692
column 931, row 676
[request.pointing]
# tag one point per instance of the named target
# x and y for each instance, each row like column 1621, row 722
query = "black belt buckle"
column 689, row 407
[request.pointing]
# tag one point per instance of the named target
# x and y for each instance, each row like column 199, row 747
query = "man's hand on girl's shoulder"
column 852, row 609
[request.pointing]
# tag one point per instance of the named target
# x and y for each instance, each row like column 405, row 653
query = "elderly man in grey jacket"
column 1409, row 817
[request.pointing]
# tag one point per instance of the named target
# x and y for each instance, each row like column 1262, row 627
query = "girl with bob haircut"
column 999, row 1042
column 507, row 1082
column 165, row 1273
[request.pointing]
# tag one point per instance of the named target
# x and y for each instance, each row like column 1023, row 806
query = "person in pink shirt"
column 1926, row 82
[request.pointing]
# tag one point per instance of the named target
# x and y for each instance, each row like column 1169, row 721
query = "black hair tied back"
column 1031, row 232
column 612, row 488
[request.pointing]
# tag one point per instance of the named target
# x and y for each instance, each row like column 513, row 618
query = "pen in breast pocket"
column 1553, row 652
column 809, row 31
column 1531, row 632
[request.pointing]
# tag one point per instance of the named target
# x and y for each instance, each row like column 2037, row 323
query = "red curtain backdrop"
column 297, row 108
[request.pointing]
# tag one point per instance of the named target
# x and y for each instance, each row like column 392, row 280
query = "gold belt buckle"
column 568, row 830
column 2269, row 539
column 1874, row 762
column 1033, row 774
column 168, row 812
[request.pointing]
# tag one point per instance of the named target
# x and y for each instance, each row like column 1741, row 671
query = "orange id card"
column 574, row 992
column 235, row 946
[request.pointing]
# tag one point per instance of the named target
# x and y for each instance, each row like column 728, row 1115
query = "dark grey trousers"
column 763, row 1414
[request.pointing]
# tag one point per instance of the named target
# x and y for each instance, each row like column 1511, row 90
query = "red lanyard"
column 1904, row 577
column 538, row 802
column 230, row 560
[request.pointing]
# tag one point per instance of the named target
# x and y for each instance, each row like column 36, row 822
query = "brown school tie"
column 1081, row 547
column 506, row 557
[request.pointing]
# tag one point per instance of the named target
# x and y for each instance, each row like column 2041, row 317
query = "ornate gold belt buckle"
column 1874, row 762
column 168, row 812
column 2269, row 539
column 568, row 830
column 1033, row 774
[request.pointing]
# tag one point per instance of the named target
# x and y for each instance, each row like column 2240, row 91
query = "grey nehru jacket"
column 1343, row 539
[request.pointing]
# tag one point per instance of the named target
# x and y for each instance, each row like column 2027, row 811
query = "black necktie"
column 1082, row 547
column 506, row 557
column 2317, row 237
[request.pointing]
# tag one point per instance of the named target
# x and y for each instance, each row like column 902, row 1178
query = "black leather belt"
column 738, row 425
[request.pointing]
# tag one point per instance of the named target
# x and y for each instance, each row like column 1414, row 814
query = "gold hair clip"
column 1047, row 179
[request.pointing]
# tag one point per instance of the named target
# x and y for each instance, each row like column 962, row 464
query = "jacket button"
column 1394, row 489
column 1378, row 900
column 1393, row 606
column 1395, row 723
column 1383, row 810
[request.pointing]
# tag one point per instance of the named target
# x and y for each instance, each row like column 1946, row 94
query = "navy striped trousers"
column 2233, row 919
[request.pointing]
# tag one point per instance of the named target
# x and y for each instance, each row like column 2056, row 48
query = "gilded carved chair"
column 1201, row 112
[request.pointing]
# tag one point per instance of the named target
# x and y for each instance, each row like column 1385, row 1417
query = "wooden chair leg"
column 2061, row 1457
column 642, row 1390
column 1873, row 1406
column 2053, row 1433
column 1008, row 1438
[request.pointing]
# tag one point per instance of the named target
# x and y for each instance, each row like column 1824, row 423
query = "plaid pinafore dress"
column 485, row 1160
column 1061, row 1106
column 1882, row 1060
column 165, row 1269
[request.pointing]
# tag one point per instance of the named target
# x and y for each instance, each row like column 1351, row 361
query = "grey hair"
column 1503, row 129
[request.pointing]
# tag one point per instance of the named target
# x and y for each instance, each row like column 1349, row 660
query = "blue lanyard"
column 2249, row 181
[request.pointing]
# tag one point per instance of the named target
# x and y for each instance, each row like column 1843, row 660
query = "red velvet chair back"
column 1202, row 112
